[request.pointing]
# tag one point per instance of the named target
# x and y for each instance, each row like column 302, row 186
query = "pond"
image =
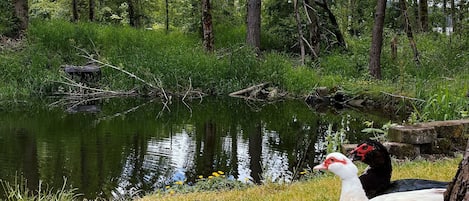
column 125, row 146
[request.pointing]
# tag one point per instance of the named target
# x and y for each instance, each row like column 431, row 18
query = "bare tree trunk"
column 377, row 40
column 453, row 15
column 208, row 39
column 300, row 31
column 418, row 26
column 21, row 12
column 131, row 10
column 166, row 3
column 445, row 15
column 74, row 10
column 313, row 24
column 458, row 189
column 335, row 25
column 423, row 14
column 394, row 43
column 253, row 36
column 91, row 14
column 408, row 30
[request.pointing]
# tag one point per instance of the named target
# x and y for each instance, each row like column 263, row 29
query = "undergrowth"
column 176, row 61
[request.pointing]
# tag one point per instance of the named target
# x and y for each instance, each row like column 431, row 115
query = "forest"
column 190, row 49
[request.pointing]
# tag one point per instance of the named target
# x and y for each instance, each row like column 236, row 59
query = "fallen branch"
column 249, row 89
column 403, row 97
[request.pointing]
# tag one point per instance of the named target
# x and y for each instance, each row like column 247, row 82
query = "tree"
column 408, row 30
column 74, row 10
column 253, row 35
column 208, row 39
column 313, row 27
column 377, row 40
column 458, row 188
column 91, row 9
column 423, row 14
column 300, row 31
column 21, row 13
column 132, row 16
column 335, row 25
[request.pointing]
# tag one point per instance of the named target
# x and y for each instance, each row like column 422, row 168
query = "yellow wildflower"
column 201, row 177
column 221, row 172
column 171, row 192
column 210, row 177
column 167, row 187
column 179, row 183
column 304, row 172
column 215, row 174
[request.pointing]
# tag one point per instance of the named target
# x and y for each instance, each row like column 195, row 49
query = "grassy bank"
column 320, row 188
column 176, row 62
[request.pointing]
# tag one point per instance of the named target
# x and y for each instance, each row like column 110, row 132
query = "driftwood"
column 259, row 92
column 458, row 189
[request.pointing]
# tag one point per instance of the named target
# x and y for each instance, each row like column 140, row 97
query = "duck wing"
column 435, row 194
column 403, row 185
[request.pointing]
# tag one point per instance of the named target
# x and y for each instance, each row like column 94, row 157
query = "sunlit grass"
column 320, row 188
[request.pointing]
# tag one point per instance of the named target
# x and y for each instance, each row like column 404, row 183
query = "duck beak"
column 320, row 167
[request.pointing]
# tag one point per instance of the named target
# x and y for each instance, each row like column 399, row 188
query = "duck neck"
column 352, row 190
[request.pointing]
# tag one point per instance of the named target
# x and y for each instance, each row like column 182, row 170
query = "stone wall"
column 438, row 137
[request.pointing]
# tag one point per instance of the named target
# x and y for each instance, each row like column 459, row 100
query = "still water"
column 124, row 146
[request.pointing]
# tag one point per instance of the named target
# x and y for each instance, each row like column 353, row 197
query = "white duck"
column 352, row 189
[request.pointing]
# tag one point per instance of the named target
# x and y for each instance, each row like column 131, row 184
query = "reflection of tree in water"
column 28, row 153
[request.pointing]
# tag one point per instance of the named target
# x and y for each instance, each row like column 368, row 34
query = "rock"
column 442, row 146
column 346, row 148
column 412, row 134
column 402, row 150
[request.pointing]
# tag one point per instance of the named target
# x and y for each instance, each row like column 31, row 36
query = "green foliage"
column 8, row 26
column 379, row 134
column 215, row 182
column 18, row 191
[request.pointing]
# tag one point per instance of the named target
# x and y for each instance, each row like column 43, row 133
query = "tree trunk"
column 166, row 3
column 253, row 35
column 335, row 25
column 458, row 189
column 207, row 26
column 74, row 10
column 445, row 15
column 408, row 30
column 300, row 31
column 453, row 15
column 377, row 40
column 423, row 15
column 415, row 6
column 21, row 13
column 313, row 25
column 91, row 5
column 131, row 10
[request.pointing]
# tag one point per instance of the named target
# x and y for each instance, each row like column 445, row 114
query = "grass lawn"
column 322, row 188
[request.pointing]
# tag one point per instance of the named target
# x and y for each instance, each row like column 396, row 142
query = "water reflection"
column 129, row 147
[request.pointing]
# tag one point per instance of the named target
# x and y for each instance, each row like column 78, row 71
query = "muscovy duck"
column 376, row 179
column 352, row 189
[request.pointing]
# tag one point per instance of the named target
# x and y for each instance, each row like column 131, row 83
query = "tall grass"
column 18, row 191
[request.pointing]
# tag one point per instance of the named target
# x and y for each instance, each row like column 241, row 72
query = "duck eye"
column 365, row 147
column 332, row 160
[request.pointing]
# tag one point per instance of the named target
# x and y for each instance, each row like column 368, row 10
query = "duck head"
column 371, row 152
column 338, row 164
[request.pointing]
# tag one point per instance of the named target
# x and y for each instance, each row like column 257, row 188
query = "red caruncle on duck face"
column 362, row 150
